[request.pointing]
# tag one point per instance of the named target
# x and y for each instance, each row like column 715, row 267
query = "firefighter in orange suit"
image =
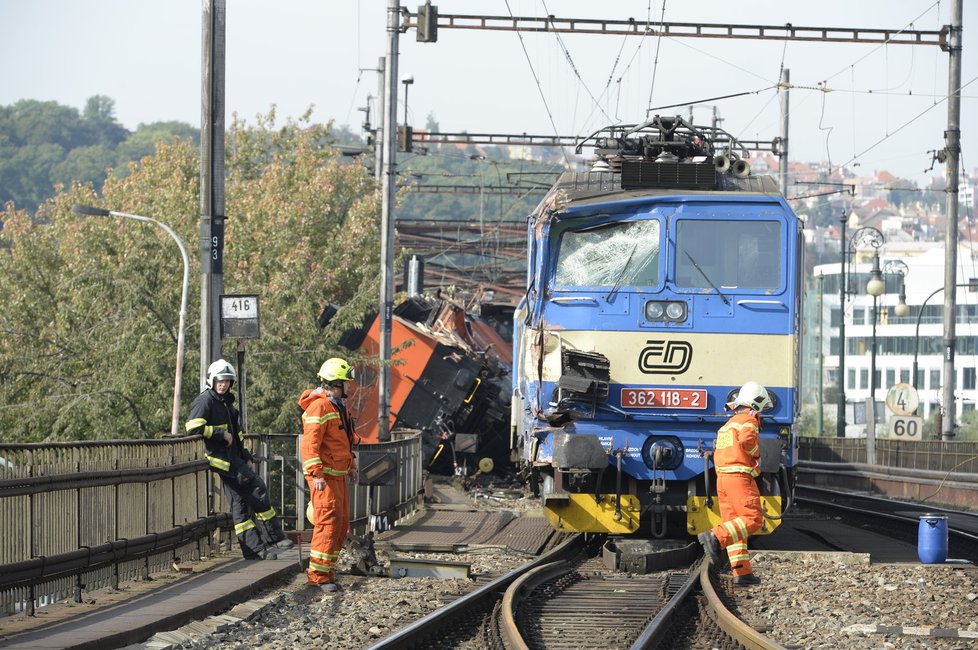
column 735, row 456
column 327, row 459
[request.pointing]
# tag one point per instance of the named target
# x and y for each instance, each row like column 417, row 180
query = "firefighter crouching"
column 327, row 460
column 213, row 416
column 735, row 457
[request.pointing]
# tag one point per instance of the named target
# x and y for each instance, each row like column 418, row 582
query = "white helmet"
column 752, row 395
column 218, row 370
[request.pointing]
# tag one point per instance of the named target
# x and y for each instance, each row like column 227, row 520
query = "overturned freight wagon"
column 449, row 380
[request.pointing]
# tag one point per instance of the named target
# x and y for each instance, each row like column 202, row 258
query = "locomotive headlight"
column 654, row 310
column 676, row 311
column 666, row 311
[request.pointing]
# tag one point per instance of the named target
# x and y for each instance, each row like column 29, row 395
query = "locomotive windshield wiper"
column 621, row 275
column 707, row 278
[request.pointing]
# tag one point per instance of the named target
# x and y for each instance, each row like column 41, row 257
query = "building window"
column 890, row 377
column 863, row 378
column 904, row 376
column 920, row 379
column 969, row 379
column 935, row 379
column 851, row 379
column 858, row 316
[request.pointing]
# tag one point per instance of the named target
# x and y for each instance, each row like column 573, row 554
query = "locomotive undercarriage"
column 583, row 489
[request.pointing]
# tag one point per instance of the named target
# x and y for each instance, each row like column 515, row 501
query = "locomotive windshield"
column 729, row 254
column 612, row 255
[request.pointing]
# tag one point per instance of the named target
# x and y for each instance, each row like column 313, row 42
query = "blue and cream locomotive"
column 658, row 283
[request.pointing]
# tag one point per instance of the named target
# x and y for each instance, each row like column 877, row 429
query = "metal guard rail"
column 32, row 484
column 85, row 559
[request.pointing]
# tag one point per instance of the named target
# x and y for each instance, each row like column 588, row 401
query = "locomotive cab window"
column 623, row 254
column 719, row 254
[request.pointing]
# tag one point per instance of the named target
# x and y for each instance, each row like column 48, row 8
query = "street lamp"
column 178, row 380
column 407, row 80
column 848, row 248
column 920, row 312
column 875, row 287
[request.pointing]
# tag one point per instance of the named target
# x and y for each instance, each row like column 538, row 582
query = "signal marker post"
column 239, row 321
column 904, row 424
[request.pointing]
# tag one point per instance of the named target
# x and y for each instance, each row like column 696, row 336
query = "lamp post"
column 840, row 416
column 820, row 421
column 916, row 336
column 876, row 287
column 178, row 379
column 864, row 235
column 407, row 80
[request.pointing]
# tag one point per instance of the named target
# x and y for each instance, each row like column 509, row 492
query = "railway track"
column 569, row 599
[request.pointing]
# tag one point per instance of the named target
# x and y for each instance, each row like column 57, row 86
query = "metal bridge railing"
column 80, row 516
column 933, row 455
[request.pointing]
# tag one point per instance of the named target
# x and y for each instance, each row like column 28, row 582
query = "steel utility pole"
column 387, row 222
column 381, row 138
column 783, row 145
column 952, row 138
column 211, row 182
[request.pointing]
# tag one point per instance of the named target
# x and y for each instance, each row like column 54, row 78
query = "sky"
column 872, row 107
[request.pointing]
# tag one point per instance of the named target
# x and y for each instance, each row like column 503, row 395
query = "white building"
column 897, row 338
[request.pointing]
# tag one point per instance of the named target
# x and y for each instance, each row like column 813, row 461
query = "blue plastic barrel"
column 932, row 539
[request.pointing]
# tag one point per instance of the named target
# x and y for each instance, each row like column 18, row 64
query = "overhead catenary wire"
column 570, row 62
column 658, row 42
column 536, row 79
column 903, row 126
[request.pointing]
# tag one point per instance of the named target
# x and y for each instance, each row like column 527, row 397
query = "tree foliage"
column 89, row 307
column 43, row 144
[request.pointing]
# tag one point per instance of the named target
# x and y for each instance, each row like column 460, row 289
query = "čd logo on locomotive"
column 665, row 357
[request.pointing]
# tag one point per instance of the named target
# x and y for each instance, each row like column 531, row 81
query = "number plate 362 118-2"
column 663, row 398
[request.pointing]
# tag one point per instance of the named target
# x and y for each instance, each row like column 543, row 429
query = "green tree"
column 84, row 165
column 89, row 305
column 99, row 119
column 142, row 142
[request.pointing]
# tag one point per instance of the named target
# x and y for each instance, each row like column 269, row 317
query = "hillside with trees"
column 89, row 306
column 45, row 144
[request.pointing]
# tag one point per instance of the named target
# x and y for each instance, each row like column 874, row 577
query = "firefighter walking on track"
column 327, row 460
column 213, row 416
column 735, row 456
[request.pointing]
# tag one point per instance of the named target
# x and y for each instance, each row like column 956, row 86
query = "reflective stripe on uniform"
column 738, row 553
column 267, row 515
column 322, row 568
column 196, row 422
column 737, row 529
column 312, row 461
column 239, row 529
column 219, row 463
column 326, row 417
column 738, row 469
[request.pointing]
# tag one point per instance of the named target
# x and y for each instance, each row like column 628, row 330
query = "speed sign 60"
column 906, row 427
